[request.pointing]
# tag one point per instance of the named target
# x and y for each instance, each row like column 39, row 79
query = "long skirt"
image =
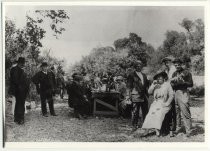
column 156, row 115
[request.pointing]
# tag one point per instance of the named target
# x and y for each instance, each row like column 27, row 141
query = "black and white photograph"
column 104, row 73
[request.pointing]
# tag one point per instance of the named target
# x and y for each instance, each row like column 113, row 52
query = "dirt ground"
column 66, row 128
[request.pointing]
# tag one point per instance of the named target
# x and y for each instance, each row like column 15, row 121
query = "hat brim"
column 177, row 62
column 43, row 65
column 166, row 59
column 161, row 74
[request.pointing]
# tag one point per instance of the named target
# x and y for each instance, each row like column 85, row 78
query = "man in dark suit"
column 19, row 87
column 51, row 75
column 78, row 97
column 138, row 85
column 45, row 88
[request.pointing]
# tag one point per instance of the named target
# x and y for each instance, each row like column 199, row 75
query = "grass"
column 66, row 128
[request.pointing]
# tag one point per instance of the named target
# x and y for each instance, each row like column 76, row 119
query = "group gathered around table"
column 122, row 95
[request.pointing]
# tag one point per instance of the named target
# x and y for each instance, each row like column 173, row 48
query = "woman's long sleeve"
column 151, row 89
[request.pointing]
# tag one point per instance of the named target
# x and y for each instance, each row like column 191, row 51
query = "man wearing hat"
column 138, row 85
column 169, row 67
column 45, row 88
column 181, row 80
column 170, row 118
column 19, row 87
column 78, row 97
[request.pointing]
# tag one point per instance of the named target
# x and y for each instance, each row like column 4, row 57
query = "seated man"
column 77, row 96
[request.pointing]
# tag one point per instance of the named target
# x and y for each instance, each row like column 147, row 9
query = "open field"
column 66, row 128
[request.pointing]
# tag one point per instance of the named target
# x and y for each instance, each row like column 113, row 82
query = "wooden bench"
column 105, row 103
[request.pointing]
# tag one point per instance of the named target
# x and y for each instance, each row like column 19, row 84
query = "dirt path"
column 66, row 128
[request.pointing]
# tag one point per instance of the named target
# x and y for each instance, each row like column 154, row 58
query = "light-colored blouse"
column 164, row 93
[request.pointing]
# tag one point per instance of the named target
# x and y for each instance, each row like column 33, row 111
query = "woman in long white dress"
column 163, row 96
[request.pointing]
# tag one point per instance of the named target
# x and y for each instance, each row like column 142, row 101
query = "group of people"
column 45, row 82
column 79, row 89
column 169, row 88
column 170, row 98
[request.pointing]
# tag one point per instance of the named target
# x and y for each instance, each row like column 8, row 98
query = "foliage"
column 116, row 61
column 57, row 18
column 136, row 48
column 198, row 64
column 27, row 41
column 182, row 44
column 198, row 91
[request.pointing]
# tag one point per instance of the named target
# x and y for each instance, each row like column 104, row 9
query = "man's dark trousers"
column 135, row 111
column 47, row 97
column 19, row 108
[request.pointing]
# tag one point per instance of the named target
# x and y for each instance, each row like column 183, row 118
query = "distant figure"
column 78, row 97
column 68, row 86
column 163, row 96
column 51, row 74
column 138, row 89
column 61, row 85
column 181, row 81
column 98, row 83
column 110, row 82
column 120, row 86
column 45, row 88
column 19, row 87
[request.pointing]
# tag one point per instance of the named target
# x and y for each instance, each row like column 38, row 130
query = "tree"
column 136, row 48
column 116, row 61
column 175, row 44
column 27, row 41
column 189, row 43
column 187, row 24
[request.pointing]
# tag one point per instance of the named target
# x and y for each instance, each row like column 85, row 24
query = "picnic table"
column 105, row 103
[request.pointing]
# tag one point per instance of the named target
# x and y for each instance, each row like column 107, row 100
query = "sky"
column 95, row 26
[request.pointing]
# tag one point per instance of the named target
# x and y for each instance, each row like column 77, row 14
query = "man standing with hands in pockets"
column 45, row 88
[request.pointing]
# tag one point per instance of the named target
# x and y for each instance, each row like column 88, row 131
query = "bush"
column 197, row 91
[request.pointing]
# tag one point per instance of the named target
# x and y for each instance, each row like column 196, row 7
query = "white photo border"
column 119, row 145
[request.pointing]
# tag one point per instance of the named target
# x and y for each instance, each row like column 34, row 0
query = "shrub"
column 197, row 91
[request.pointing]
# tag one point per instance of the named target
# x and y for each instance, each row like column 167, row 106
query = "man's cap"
column 137, row 62
column 21, row 60
column 44, row 64
column 177, row 60
column 168, row 58
column 160, row 74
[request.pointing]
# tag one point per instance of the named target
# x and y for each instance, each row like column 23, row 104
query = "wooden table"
column 105, row 103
